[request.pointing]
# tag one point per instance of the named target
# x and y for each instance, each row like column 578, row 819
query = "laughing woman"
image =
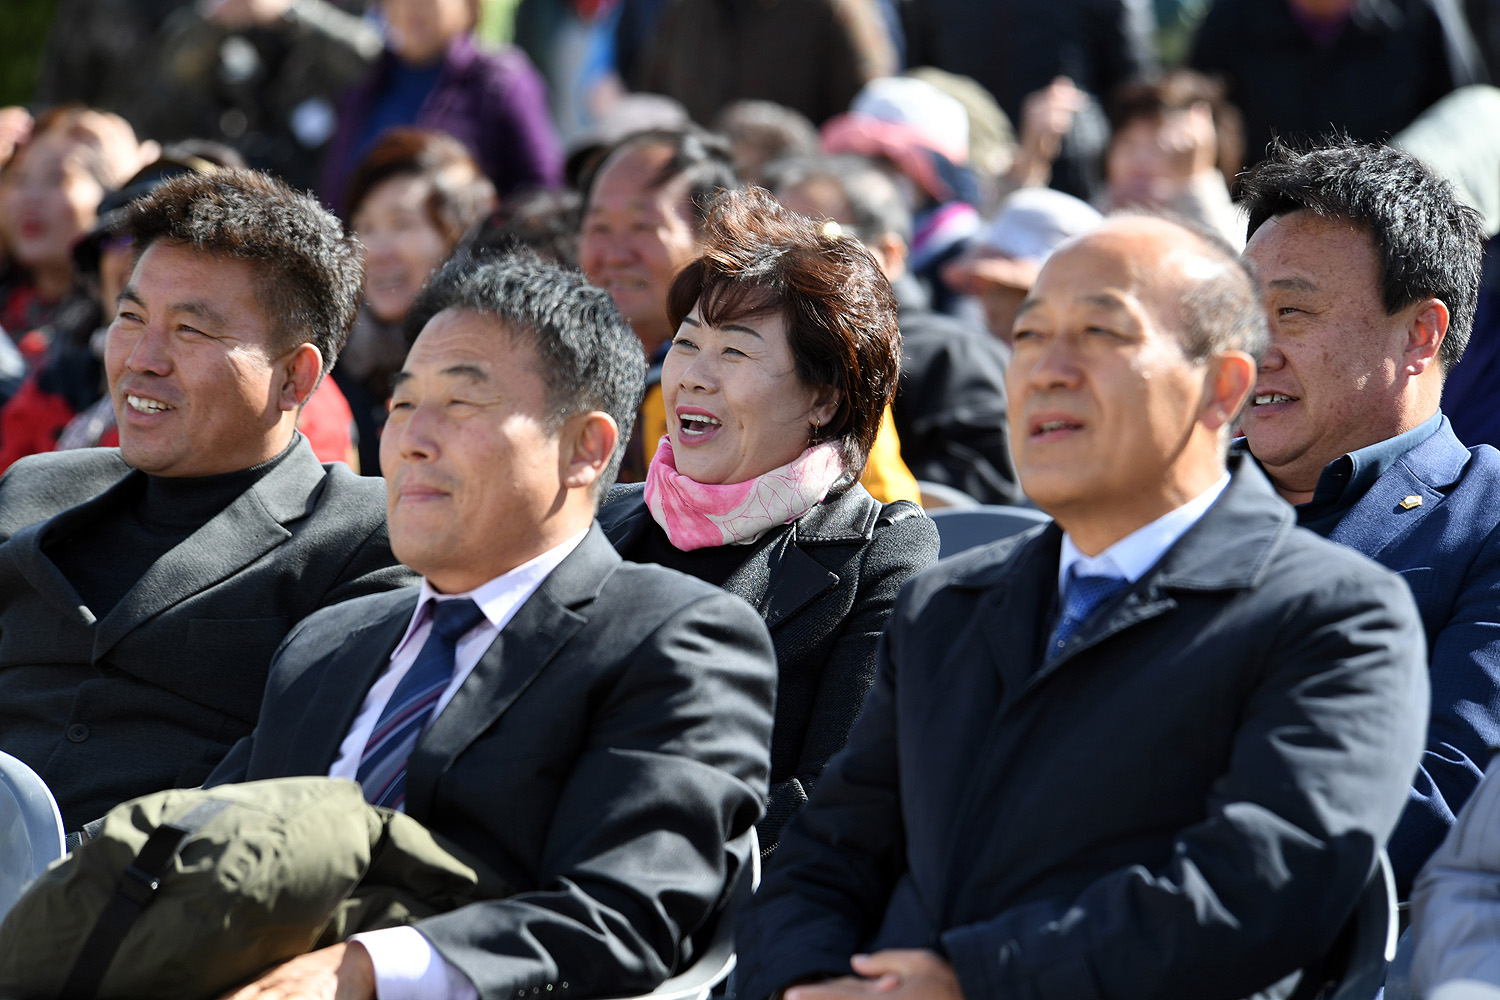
column 785, row 356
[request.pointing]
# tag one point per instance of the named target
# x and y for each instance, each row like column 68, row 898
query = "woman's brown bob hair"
column 458, row 195
column 758, row 259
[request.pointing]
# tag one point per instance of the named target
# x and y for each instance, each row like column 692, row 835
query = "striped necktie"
column 382, row 767
column 1084, row 596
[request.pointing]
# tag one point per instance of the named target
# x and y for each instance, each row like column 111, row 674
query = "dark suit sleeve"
column 371, row 568
column 1464, row 731
column 898, row 550
column 676, row 764
column 827, row 885
column 1328, row 737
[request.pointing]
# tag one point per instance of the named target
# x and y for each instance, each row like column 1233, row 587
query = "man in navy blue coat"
column 1370, row 269
column 1149, row 750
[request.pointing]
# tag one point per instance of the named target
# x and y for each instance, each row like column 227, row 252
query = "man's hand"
column 897, row 974
column 341, row 972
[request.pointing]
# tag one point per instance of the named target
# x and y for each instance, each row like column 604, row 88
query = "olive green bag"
column 190, row 892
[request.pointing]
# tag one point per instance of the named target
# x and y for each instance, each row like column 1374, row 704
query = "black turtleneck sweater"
column 105, row 559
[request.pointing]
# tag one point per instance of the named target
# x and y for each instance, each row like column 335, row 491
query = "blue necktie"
column 382, row 768
column 1083, row 597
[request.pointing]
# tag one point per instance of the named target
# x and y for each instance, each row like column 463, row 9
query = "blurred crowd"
column 854, row 189
column 1001, row 127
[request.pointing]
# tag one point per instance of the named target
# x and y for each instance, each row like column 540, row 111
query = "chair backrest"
column 31, row 829
column 714, row 964
column 1355, row 967
column 961, row 528
column 939, row 496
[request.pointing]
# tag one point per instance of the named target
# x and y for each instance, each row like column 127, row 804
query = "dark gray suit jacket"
column 1186, row 800
column 607, row 747
column 152, row 695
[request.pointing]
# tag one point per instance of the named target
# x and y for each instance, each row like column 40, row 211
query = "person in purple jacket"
column 433, row 75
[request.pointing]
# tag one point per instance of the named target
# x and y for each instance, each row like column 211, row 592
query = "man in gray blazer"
column 143, row 590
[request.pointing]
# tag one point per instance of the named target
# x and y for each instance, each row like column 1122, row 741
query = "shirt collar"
column 498, row 598
column 1133, row 555
column 1348, row 477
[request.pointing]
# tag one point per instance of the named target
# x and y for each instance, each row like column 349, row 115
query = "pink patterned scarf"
column 698, row 515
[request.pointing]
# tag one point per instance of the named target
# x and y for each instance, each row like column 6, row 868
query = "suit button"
column 78, row 732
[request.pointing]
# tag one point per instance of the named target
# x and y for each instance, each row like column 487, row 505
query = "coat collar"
column 253, row 524
column 778, row 577
column 1018, row 576
column 1427, row 471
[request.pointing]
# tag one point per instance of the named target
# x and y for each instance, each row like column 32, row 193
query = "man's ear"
column 1424, row 335
column 302, row 370
column 1231, row 379
column 589, row 443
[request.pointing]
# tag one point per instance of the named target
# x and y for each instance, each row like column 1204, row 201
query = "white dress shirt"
column 407, row 966
column 1133, row 555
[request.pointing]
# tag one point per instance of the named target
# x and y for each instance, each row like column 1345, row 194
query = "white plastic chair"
column 1355, row 969
column 714, row 964
column 31, row 829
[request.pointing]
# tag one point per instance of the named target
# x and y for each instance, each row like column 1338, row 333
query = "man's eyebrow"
column 128, row 294
column 1293, row 284
column 1103, row 300
column 473, row 372
column 201, row 308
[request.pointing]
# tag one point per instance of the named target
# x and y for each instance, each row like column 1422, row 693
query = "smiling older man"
column 1370, row 267
column 143, row 590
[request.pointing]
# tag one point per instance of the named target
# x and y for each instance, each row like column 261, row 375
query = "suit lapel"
column 251, row 526
column 25, row 546
column 1384, row 513
column 532, row 639
column 345, row 682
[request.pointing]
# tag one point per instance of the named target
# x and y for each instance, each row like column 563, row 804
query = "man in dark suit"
column 143, row 590
column 1169, row 780
column 1370, row 268
column 598, row 731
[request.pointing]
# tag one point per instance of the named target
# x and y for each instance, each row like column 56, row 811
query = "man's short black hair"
column 698, row 156
column 875, row 201
column 1427, row 241
column 308, row 270
column 588, row 356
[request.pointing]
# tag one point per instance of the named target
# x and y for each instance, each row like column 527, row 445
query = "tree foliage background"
column 26, row 24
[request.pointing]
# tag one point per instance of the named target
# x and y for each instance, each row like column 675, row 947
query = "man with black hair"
column 597, row 731
column 143, row 589
column 1370, row 270
column 950, row 404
